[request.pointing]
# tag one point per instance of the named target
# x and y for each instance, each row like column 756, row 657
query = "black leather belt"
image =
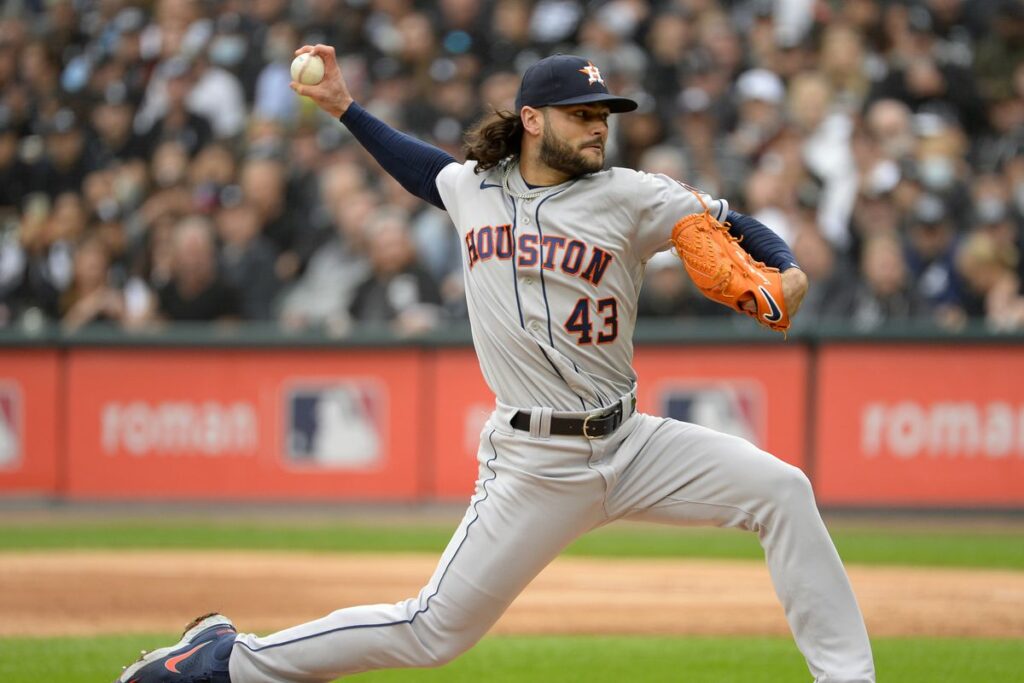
column 591, row 426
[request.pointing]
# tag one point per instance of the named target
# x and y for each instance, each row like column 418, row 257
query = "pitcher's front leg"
column 518, row 521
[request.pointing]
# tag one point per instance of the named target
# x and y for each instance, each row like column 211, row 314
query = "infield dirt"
column 94, row 592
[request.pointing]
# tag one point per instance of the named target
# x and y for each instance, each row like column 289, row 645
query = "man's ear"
column 533, row 120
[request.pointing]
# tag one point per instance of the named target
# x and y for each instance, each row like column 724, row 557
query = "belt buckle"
column 586, row 421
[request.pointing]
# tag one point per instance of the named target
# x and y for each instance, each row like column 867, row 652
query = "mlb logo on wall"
column 735, row 408
column 335, row 425
column 10, row 426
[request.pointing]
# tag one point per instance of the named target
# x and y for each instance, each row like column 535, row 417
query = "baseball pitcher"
column 553, row 251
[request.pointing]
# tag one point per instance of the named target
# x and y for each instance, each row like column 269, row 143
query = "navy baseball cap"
column 567, row 79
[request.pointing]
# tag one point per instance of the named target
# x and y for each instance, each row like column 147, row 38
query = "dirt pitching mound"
column 90, row 592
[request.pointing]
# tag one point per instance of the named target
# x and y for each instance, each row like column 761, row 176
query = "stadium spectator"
column 264, row 186
column 196, row 290
column 91, row 298
column 398, row 290
column 993, row 210
column 273, row 98
column 928, row 76
column 166, row 114
column 989, row 271
column 671, row 37
column 696, row 129
column 831, row 124
column 930, row 253
column 844, row 65
column 830, row 294
column 760, row 94
column 154, row 264
column 322, row 295
column 1001, row 52
column 247, row 260
column 66, row 161
column 509, row 35
column 875, row 210
column 13, row 171
column 885, row 293
column 37, row 263
column 824, row 129
column 114, row 139
column 212, row 178
column 669, row 292
column 235, row 47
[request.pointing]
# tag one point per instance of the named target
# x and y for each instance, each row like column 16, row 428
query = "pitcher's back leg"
column 678, row 473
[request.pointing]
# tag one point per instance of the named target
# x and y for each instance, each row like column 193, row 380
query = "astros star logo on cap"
column 592, row 73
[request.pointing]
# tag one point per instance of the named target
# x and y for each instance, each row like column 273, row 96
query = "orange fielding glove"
column 724, row 272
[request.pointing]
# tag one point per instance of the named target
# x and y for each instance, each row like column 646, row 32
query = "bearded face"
column 574, row 158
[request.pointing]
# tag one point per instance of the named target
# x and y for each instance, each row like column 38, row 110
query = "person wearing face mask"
column 274, row 100
column 210, row 91
column 938, row 165
column 937, row 173
column 931, row 241
column 218, row 95
column 940, row 175
column 232, row 48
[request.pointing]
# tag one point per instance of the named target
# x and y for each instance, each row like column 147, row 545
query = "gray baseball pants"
column 536, row 493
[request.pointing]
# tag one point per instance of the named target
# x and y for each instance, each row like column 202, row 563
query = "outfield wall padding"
column 873, row 424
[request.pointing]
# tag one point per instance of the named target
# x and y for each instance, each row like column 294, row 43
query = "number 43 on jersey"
column 607, row 316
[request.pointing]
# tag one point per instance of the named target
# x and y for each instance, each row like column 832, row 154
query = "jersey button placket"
column 528, row 275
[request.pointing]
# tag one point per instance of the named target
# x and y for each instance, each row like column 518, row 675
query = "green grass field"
column 565, row 660
column 562, row 659
column 982, row 547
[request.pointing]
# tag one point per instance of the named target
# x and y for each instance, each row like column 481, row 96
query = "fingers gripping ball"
column 725, row 273
column 307, row 69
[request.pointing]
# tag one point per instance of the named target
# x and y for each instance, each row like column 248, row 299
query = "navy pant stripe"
column 440, row 581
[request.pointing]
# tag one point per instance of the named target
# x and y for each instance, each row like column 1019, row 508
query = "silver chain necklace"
column 529, row 194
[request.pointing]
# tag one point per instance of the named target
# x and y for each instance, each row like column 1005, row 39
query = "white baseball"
column 307, row 69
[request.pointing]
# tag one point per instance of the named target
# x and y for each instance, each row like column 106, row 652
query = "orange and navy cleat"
column 201, row 656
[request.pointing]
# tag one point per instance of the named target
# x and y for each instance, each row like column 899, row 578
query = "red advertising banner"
column 462, row 402
column 29, row 414
column 758, row 393
column 920, row 425
column 231, row 424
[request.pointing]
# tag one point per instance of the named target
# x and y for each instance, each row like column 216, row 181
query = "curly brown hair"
column 492, row 138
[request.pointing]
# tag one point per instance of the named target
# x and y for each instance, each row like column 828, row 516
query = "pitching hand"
column 331, row 94
column 794, row 287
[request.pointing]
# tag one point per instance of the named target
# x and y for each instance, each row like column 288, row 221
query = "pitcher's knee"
column 789, row 488
column 448, row 648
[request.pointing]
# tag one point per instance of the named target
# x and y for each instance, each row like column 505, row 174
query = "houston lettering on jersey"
column 573, row 257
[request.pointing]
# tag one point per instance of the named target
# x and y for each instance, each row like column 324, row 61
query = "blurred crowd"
column 155, row 166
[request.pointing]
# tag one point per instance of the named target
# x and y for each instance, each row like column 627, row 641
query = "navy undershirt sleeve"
column 411, row 162
column 761, row 242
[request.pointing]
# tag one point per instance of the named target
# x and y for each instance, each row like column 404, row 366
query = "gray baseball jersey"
column 552, row 277
column 553, row 274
